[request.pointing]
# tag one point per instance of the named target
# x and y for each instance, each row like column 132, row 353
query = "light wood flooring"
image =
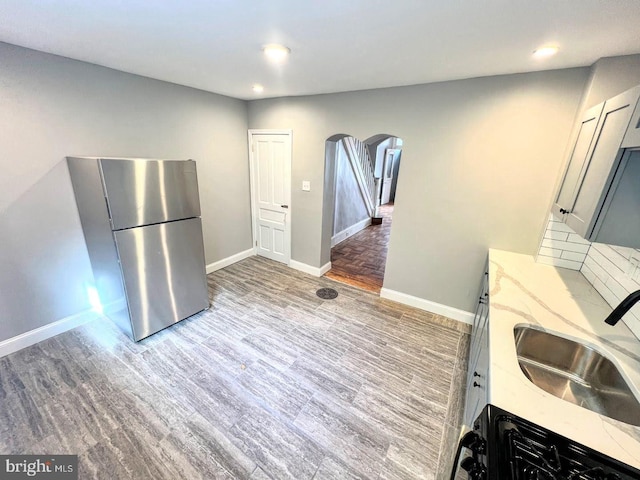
column 270, row 383
column 360, row 260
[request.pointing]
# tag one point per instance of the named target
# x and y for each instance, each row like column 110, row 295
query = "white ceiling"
column 337, row 45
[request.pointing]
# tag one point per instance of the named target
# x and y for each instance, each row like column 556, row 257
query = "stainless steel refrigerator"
column 141, row 223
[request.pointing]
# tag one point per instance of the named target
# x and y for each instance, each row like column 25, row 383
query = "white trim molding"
column 225, row 262
column 427, row 305
column 39, row 334
column 315, row 271
column 350, row 231
column 325, row 268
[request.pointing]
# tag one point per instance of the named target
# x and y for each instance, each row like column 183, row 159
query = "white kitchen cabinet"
column 632, row 137
column 575, row 171
column 589, row 176
column 478, row 368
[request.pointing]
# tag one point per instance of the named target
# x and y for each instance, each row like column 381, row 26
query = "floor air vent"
column 327, row 293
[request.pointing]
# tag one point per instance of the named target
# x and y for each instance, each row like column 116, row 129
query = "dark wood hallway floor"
column 360, row 259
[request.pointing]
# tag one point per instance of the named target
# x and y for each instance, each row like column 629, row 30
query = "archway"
column 355, row 227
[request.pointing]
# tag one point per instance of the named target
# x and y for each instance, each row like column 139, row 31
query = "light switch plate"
column 306, row 186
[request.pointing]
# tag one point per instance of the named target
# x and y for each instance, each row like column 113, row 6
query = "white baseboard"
column 427, row 305
column 39, row 334
column 350, row 231
column 315, row 271
column 325, row 268
column 225, row 262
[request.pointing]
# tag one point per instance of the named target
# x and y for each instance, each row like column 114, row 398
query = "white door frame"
column 386, row 182
column 252, row 183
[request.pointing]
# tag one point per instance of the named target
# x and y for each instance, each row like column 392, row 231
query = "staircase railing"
column 363, row 167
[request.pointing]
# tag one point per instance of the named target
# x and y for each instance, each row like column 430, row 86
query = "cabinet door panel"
column 477, row 385
column 476, row 392
column 599, row 168
column 577, row 161
column 632, row 137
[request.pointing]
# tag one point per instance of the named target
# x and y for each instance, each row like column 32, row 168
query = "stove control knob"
column 474, row 442
column 475, row 470
column 480, row 474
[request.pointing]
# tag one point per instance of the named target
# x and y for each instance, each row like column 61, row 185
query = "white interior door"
column 387, row 176
column 270, row 154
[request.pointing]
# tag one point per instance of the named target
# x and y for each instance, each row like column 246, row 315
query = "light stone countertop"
column 557, row 300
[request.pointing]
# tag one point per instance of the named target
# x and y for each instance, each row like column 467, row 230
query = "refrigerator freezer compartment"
column 145, row 192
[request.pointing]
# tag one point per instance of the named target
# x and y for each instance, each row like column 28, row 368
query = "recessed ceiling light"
column 276, row 53
column 546, row 51
column 257, row 88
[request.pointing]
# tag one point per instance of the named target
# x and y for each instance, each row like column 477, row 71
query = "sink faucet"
column 624, row 307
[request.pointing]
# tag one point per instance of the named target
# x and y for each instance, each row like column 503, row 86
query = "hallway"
column 360, row 259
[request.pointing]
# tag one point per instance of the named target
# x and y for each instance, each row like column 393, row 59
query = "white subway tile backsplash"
column 613, row 255
column 602, row 260
column 571, row 247
column 606, row 267
column 588, row 273
column 626, row 252
column 550, row 252
column 576, row 257
column 595, row 268
column 632, row 320
column 575, row 238
column 607, row 294
column 556, row 235
column 559, row 227
column 634, row 314
column 557, row 250
column 559, row 262
column 624, row 280
column 618, row 290
column 634, row 326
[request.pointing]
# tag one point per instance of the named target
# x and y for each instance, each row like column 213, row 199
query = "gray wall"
column 51, row 107
column 479, row 163
column 611, row 76
column 350, row 207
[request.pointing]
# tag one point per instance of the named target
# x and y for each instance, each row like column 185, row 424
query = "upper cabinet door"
column 575, row 170
column 602, row 159
column 632, row 137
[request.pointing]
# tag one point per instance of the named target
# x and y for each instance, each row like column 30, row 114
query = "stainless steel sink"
column 575, row 373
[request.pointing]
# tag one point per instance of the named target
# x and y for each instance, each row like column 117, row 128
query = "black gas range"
column 503, row 446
